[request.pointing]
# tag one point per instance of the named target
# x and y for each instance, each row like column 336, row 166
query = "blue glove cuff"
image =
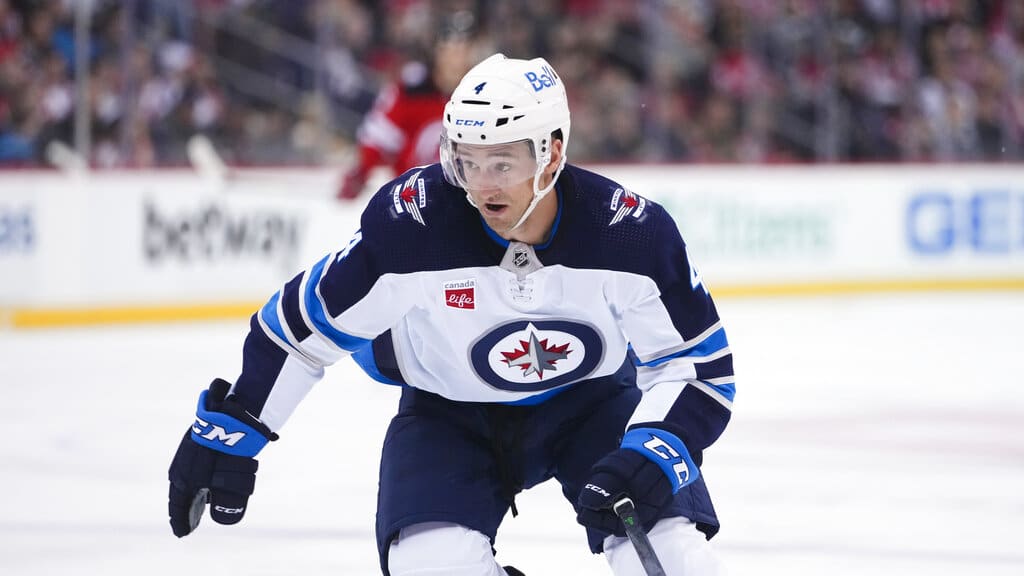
column 667, row 451
column 224, row 433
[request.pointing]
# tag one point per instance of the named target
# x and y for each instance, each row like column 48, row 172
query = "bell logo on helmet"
column 541, row 81
column 479, row 87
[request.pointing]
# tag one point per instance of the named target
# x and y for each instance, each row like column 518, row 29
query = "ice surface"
column 871, row 435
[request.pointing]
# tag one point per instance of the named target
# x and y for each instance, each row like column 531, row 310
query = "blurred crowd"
column 290, row 81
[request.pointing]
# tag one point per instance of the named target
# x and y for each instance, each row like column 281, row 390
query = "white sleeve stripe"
column 283, row 321
column 287, row 347
column 714, row 394
column 309, row 321
column 685, row 345
column 691, row 359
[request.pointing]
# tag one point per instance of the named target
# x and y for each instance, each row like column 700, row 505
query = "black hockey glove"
column 650, row 467
column 214, row 462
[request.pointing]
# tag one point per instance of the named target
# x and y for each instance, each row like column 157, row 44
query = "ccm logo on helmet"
column 465, row 122
column 546, row 79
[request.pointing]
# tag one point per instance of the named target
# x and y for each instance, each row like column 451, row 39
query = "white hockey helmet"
column 502, row 101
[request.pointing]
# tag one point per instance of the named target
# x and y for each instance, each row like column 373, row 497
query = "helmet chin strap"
column 538, row 195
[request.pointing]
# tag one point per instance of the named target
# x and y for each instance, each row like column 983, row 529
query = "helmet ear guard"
column 501, row 101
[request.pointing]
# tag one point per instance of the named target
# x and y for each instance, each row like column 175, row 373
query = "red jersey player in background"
column 404, row 125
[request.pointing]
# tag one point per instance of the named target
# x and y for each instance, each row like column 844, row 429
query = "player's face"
column 499, row 179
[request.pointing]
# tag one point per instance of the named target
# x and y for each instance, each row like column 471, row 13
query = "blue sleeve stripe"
column 710, row 346
column 317, row 315
column 366, row 360
column 728, row 391
column 271, row 319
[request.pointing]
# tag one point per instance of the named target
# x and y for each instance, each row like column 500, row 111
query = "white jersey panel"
column 454, row 336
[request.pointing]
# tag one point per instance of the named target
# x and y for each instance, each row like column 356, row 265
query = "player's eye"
column 503, row 167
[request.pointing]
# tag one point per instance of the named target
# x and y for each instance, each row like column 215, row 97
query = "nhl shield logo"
column 626, row 203
column 521, row 257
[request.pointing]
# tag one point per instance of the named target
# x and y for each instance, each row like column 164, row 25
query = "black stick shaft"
column 626, row 512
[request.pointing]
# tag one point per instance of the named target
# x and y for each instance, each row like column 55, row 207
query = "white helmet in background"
column 504, row 101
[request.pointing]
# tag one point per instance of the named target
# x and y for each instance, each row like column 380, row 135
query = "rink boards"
column 172, row 245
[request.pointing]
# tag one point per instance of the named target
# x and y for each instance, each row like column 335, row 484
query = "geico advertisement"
column 18, row 231
column 947, row 221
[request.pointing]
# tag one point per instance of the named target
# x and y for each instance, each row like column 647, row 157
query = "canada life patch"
column 626, row 203
column 460, row 294
column 535, row 355
column 410, row 196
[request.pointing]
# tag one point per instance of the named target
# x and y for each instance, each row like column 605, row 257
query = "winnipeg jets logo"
column 626, row 203
column 536, row 355
column 409, row 196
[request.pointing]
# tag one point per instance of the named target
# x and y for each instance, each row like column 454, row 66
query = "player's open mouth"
column 495, row 208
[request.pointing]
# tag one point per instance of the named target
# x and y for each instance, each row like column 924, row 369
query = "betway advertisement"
column 182, row 240
column 154, row 238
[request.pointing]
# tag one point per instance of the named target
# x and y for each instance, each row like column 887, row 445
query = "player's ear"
column 557, row 149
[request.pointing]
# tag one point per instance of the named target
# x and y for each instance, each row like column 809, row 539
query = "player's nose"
column 489, row 194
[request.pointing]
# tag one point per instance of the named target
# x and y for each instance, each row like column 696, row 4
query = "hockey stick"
column 210, row 166
column 626, row 512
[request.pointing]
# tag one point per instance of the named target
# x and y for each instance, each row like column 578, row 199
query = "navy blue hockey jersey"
column 426, row 295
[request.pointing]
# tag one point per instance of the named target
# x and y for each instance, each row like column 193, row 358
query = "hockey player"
column 552, row 326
